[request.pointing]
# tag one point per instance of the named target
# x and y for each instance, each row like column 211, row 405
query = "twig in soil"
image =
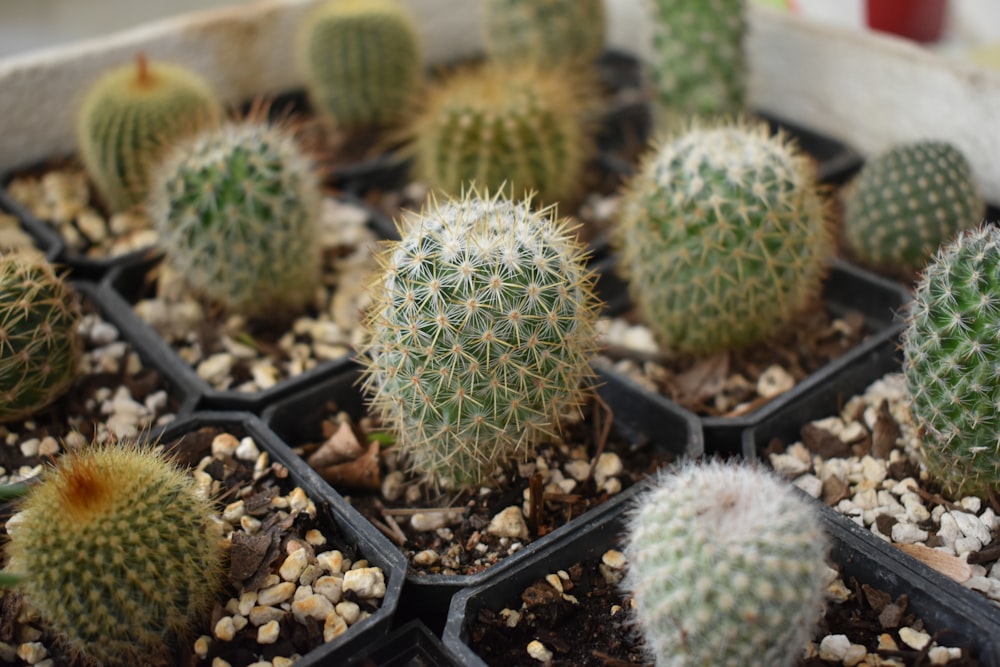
column 603, row 420
column 387, row 531
column 390, row 528
column 612, row 661
column 936, row 498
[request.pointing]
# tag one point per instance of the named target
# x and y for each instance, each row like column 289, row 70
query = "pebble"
column 537, row 650
column 268, row 633
column 834, row 647
column 276, row 594
column 365, row 582
column 915, row 639
column 426, row 521
column 509, row 522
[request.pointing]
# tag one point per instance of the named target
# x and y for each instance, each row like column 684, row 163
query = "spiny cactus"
column 237, row 211
column 727, row 566
column 131, row 114
column 40, row 345
column 361, row 60
column 909, row 200
column 724, row 235
column 481, row 333
column 697, row 61
column 118, row 552
column 545, row 32
column 951, row 353
column 517, row 125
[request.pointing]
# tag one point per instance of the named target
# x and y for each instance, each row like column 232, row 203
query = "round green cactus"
column 545, row 32
column 909, row 200
column 129, row 116
column 724, row 236
column 118, row 552
column 237, row 210
column 481, row 333
column 361, row 60
column 727, row 566
column 951, row 349
column 40, row 345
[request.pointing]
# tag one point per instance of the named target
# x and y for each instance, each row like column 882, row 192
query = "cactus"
column 131, row 114
column 517, row 125
column 545, row 32
column 481, row 332
column 697, row 61
column 724, row 235
column 909, row 200
column 727, row 566
column 951, row 352
column 40, row 346
column 237, row 211
column 361, row 60
column 118, row 552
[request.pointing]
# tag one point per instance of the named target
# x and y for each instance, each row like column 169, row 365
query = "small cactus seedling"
column 131, row 114
column 725, row 236
column 118, row 552
column 545, row 32
column 40, row 345
column 237, row 210
column 481, row 333
column 727, row 566
column 909, row 200
column 361, row 60
column 951, row 353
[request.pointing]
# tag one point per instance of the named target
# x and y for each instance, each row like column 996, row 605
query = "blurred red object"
column 919, row 20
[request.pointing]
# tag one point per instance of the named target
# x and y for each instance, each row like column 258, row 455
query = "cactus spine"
column 481, row 333
column 361, row 60
column 727, row 566
column 909, row 200
column 724, row 235
column 118, row 552
column 132, row 113
column 40, row 345
column 237, row 210
column 545, row 32
column 951, row 349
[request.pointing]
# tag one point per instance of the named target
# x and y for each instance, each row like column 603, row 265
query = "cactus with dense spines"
column 132, row 113
column 361, row 60
column 727, row 566
column 951, row 353
column 545, row 32
column 517, row 125
column 118, row 551
column 40, row 345
column 480, row 334
column 909, row 200
column 724, row 236
column 237, row 210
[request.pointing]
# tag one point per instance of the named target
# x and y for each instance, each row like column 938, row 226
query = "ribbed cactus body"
column 237, row 211
column 40, row 346
column 545, row 32
column 361, row 59
column 481, row 333
column 727, row 566
column 119, row 552
column 724, row 235
column 129, row 116
column 951, row 350
column 909, row 200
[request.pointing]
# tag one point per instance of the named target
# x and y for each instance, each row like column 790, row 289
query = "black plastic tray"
column 410, row 645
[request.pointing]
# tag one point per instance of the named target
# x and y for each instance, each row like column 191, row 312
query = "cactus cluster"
column 237, row 210
column 118, row 552
column 909, row 200
column 545, row 32
column 40, row 345
column 481, row 333
column 951, row 349
column 132, row 113
column 724, row 236
column 361, row 60
column 727, row 567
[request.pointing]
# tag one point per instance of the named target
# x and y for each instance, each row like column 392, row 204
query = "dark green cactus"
column 545, row 32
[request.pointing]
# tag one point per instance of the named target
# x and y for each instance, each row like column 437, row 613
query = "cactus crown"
column 909, row 200
column 951, row 349
column 237, row 211
column 40, row 345
column 481, row 333
column 724, row 235
column 727, row 566
column 118, row 552
column 545, row 32
column 131, row 114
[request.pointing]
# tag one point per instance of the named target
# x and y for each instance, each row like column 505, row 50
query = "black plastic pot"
column 410, row 645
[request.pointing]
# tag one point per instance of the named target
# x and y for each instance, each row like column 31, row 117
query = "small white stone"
column 366, row 582
column 810, row 484
column 509, row 522
column 276, row 594
column 425, row 558
column 788, row 465
column 856, row 653
column 201, row 646
column 537, row 650
column 312, row 606
column 248, row 599
column 295, row 563
column 915, row 639
column 971, row 526
column 940, row 655
column 834, row 647
column 331, row 561
column 268, row 633
column 332, row 588
column 333, row 626
column 234, row 511
column 224, row 444
column 32, row 652
column 427, row 521
column 215, row 370
column 247, row 450
column 578, row 470
column 907, row 533
column 225, row 629
column 315, row 538
column 614, row 559
column 774, row 381
column 608, row 465
column 260, row 615
column 349, row 611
